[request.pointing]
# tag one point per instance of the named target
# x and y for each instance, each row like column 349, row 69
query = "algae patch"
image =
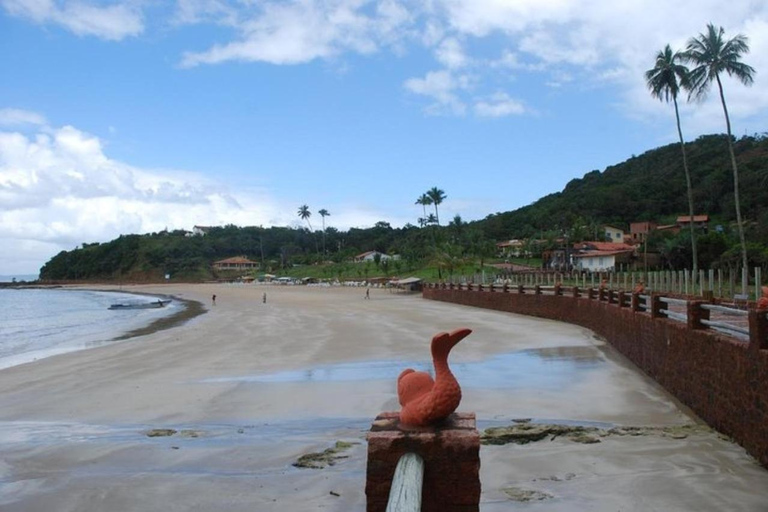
column 524, row 495
column 525, row 432
column 328, row 457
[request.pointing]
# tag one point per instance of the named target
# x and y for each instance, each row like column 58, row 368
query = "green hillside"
column 649, row 187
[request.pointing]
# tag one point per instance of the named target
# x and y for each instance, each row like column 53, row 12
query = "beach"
column 248, row 387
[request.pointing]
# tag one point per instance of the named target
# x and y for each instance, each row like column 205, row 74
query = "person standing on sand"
column 264, row 298
column 367, row 293
column 213, row 299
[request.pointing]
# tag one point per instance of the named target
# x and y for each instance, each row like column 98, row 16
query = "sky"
column 133, row 116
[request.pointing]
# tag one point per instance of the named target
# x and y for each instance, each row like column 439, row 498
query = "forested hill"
column 651, row 187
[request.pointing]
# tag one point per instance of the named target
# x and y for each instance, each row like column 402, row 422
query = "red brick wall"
column 723, row 380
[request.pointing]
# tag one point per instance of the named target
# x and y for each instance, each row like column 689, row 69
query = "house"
column 602, row 246
column 601, row 261
column 236, row 263
column 201, row 230
column 700, row 222
column 613, row 234
column 371, row 256
column 513, row 248
column 639, row 231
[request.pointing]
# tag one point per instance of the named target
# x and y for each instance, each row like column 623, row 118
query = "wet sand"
column 250, row 387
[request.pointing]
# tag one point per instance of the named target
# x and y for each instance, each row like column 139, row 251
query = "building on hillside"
column 201, row 230
column 511, row 248
column 613, row 234
column 236, row 263
column 588, row 246
column 603, row 261
column 700, row 222
column 371, row 256
column 639, row 231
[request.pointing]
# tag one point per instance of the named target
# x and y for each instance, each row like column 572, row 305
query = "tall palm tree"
column 305, row 214
column 713, row 55
column 424, row 200
column 324, row 213
column 665, row 80
column 437, row 196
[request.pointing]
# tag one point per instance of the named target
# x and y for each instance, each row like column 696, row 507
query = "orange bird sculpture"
column 425, row 401
column 762, row 302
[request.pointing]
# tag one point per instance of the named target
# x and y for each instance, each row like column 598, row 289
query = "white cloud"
column 451, row 54
column 58, row 189
column 499, row 105
column 18, row 117
column 442, row 87
column 112, row 22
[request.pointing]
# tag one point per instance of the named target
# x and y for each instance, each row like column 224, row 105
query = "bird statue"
column 425, row 401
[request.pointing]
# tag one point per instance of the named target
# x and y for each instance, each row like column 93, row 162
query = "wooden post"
column 758, row 329
column 696, row 313
column 405, row 495
column 656, row 306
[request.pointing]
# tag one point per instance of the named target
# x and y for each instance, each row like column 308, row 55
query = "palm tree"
column 305, row 214
column 665, row 80
column 424, row 200
column 436, row 196
column 324, row 213
column 712, row 55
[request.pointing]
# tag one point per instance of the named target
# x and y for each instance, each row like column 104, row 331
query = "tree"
column 305, row 214
column 665, row 80
column 424, row 200
column 712, row 55
column 324, row 213
column 436, row 196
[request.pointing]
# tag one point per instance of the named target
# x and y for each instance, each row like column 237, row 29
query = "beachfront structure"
column 371, row 256
column 613, row 234
column 236, row 263
column 602, row 261
column 514, row 248
column 700, row 222
column 639, row 231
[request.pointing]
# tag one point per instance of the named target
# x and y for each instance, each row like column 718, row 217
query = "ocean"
column 38, row 323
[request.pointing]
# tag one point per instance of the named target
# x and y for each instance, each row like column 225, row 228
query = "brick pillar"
column 451, row 453
column 450, row 286
column 696, row 314
column 558, row 289
column 590, row 293
column 758, row 329
column 622, row 299
column 634, row 302
column 575, row 292
column 656, row 307
column 537, row 290
column 520, row 289
column 505, row 289
column 601, row 294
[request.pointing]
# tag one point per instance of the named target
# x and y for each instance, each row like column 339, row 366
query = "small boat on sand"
column 141, row 305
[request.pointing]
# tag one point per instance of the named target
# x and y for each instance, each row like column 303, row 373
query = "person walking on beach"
column 367, row 293
column 264, row 298
column 213, row 299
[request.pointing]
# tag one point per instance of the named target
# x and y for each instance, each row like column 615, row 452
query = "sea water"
column 38, row 323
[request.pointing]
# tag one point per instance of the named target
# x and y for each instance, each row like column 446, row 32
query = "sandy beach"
column 249, row 387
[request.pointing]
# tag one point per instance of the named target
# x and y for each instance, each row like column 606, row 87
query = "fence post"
column 696, row 313
column 656, row 306
column 758, row 329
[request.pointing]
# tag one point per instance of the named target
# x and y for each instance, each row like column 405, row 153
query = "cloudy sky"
column 134, row 116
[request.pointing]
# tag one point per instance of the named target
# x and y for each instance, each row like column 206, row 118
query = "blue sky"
column 132, row 116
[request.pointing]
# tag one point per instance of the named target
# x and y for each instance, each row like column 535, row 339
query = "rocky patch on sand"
column 328, row 457
column 524, row 432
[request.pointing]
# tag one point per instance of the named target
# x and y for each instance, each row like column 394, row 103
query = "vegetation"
column 649, row 187
column 665, row 81
column 713, row 56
